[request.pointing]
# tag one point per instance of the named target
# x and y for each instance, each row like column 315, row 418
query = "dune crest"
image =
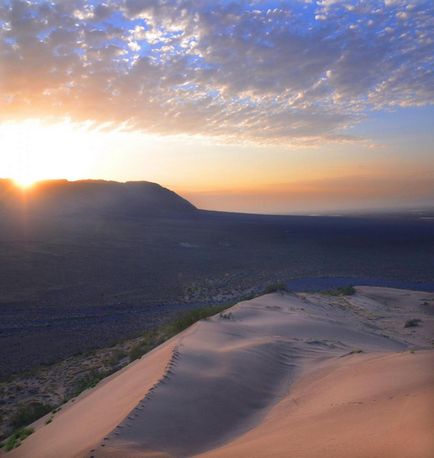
column 83, row 422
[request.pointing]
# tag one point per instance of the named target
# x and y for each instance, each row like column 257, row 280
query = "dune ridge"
column 262, row 378
column 83, row 422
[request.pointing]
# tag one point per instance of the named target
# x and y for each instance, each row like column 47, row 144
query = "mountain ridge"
column 63, row 197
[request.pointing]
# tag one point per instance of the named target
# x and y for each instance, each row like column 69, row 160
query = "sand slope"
column 278, row 377
column 361, row 407
column 81, row 424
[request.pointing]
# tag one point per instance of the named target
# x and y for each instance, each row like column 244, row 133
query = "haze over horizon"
column 268, row 107
column 265, row 202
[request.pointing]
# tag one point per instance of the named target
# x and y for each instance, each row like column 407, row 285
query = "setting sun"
column 38, row 151
column 25, row 181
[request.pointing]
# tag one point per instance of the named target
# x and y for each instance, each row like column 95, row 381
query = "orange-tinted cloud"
column 297, row 73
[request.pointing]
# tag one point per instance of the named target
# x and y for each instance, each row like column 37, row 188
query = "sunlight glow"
column 25, row 182
column 33, row 151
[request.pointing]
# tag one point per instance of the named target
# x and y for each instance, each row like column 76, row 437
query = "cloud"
column 300, row 73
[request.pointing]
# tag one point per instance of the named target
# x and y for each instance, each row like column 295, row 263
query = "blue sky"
column 403, row 124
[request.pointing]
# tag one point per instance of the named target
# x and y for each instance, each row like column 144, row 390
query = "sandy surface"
column 361, row 406
column 82, row 424
column 283, row 375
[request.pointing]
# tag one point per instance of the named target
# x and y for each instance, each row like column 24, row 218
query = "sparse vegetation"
column 186, row 319
column 28, row 413
column 277, row 287
column 413, row 323
column 90, row 380
column 16, row 438
column 149, row 341
column 341, row 291
column 115, row 357
column 155, row 337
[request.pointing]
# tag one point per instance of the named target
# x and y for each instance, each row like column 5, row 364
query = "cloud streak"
column 246, row 70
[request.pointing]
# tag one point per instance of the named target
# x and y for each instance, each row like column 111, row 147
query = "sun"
column 33, row 151
column 25, row 181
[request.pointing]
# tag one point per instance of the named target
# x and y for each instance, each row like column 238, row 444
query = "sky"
column 258, row 106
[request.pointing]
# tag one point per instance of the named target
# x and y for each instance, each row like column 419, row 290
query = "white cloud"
column 238, row 70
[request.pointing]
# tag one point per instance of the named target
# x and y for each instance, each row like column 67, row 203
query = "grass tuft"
column 16, row 438
column 90, row 380
column 28, row 413
column 277, row 287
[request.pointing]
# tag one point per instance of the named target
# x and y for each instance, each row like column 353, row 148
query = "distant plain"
column 69, row 285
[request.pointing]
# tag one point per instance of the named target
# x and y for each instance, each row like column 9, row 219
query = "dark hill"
column 61, row 197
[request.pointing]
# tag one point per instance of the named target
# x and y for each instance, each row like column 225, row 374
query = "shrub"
column 277, row 287
column 16, row 438
column 90, row 380
column 184, row 320
column 149, row 341
column 27, row 414
column 115, row 357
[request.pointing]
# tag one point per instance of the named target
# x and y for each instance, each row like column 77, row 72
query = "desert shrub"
column 412, row 323
column 136, row 352
column 275, row 288
column 28, row 413
column 247, row 297
column 115, row 357
column 159, row 335
column 186, row 319
column 149, row 341
column 90, row 380
column 342, row 291
column 16, row 438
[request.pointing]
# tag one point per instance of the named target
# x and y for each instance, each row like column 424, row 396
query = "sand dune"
column 360, row 406
column 284, row 375
column 83, row 423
